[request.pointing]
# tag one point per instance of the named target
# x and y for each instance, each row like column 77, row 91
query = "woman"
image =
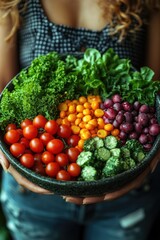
column 129, row 27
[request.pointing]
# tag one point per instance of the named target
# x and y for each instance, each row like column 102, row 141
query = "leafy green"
column 53, row 78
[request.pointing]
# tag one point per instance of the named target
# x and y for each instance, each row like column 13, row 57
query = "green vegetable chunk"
column 113, row 166
column 89, row 173
column 110, row 142
column 85, row 158
column 102, row 154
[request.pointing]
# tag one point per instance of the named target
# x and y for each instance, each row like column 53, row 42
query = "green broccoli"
column 110, row 142
column 102, row 154
column 128, row 163
column 113, row 166
column 89, row 173
column 85, row 158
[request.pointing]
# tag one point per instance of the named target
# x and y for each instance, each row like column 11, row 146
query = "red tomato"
column 63, row 175
column 24, row 141
column 10, row 126
column 37, row 157
column 51, row 127
column 30, row 132
column 64, row 131
column 12, row 136
column 73, row 154
column 27, row 160
column 55, row 146
column 73, row 140
column 46, row 137
column 39, row 168
column 36, row 145
column 25, row 123
column 17, row 149
column 47, row 157
column 52, row 169
column 74, row 169
column 39, row 121
column 62, row 159
column 20, row 131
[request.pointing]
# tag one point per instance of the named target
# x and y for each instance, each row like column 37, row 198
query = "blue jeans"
column 31, row 216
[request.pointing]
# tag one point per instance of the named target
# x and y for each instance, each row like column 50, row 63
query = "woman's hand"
column 130, row 186
column 19, row 178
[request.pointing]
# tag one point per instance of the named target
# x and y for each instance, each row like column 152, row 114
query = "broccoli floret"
column 134, row 145
column 138, row 156
column 89, row 173
column 110, row 142
column 125, row 152
column 115, row 152
column 113, row 166
column 102, row 154
column 93, row 143
column 85, row 158
column 129, row 163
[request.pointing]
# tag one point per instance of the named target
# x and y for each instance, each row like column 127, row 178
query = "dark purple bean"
column 145, row 130
column 106, row 120
column 134, row 113
column 150, row 138
column 153, row 121
column 116, row 124
column 102, row 106
column 147, row 146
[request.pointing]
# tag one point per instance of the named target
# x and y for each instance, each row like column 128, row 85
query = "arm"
column 8, row 54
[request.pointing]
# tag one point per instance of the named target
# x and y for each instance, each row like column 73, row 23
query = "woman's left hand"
column 111, row 196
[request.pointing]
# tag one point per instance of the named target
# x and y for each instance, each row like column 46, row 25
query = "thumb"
column 4, row 162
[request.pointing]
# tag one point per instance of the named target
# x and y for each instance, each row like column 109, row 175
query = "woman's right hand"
column 22, row 181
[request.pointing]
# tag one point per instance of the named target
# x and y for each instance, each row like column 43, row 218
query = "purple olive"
column 143, row 138
column 136, row 105
column 122, row 135
column 102, row 106
column 134, row 113
column 144, row 108
column 116, row 98
column 154, row 129
column 108, row 103
column 106, row 120
column 133, row 135
column 128, row 117
column 120, row 118
column 143, row 119
column 153, row 120
column 126, row 127
column 145, row 130
column 127, row 106
column 117, row 106
column 116, row 124
column 147, row 146
column 150, row 138
column 110, row 113
column 138, row 127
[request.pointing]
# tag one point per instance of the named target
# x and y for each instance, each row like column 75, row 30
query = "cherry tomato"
column 52, row 169
column 47, row 157
column 51, row 127
column 27, row 160
column 37, row 157
column 10, row 126
column 17, row 149
column 63, row 175
column 12, row 136
column 62, row 159
column 25, row 123
column 73, row 154
column 64, row 131
column 73, row 140
column 46, row 137
column 39, row 168
column 36, row 145
column 20, row 131
column 74, row 169
column 39, row 121
column 55, row 146
column 30, row 132
column 24, row 141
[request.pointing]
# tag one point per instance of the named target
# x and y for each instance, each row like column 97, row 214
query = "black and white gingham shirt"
column 39, row 36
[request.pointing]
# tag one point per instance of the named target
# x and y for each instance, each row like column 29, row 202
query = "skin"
column 74, row 15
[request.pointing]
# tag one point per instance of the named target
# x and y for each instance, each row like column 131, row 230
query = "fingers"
column 3, row 161
column 26, row 183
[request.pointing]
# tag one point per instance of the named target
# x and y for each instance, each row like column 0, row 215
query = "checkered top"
column 39, row 36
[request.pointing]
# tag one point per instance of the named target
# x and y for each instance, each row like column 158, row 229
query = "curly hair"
column 120, row 14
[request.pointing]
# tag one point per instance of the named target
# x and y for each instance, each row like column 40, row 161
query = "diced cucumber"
column 102, row 154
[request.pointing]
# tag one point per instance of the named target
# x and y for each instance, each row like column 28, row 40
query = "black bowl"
column 81, row 188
